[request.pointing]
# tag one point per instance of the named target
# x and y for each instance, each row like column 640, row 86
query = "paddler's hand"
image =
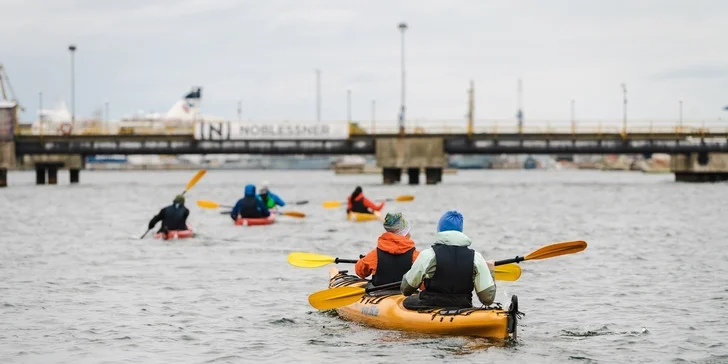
column 491, row 265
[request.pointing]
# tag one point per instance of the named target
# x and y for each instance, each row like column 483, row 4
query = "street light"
column 348, row 105
column 240, row 110
column 72, row 49
column 402, row 27
column 624, row 117
column 374, row 108
column 318, row 95
column 573, row 120
column 106, row 114
column 681, row 114
column 40, row 111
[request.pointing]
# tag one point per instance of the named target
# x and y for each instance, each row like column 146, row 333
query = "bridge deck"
column 482, row 143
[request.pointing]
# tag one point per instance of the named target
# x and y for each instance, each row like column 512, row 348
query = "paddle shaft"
column 397, row 284
column 384, row 286
column 338, row 260
column 508, row 261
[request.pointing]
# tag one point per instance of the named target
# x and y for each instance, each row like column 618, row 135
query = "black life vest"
column 249, row 207
column 391, row 267
column 174, row 218
column 357, row 205
column 452, row 284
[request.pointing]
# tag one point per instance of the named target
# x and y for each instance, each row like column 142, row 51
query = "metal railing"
column 435, row 127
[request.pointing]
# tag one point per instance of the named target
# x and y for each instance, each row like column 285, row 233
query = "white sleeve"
column 419, row 267
column 483, row 277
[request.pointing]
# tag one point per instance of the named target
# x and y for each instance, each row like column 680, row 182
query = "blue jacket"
column 262, row 210
column 275, row 198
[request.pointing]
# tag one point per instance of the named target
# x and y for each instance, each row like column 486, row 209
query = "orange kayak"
column 384, row 310
column 175, row 234
column 359, row 217
column 256, row 221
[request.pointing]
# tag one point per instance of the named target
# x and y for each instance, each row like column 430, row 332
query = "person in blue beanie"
column 450, row 271
column 250, row 206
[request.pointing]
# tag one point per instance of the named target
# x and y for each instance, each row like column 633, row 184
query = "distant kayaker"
column 394, row 254
column 173, row 217
column 450, row 271
column 358, row 203
column 250, row 206
column 270, row 199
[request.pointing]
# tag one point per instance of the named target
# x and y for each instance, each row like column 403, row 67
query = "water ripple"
column 85, row 289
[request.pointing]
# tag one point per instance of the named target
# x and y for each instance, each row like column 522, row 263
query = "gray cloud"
column 146, row 54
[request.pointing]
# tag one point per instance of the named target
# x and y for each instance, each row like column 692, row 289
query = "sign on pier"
column 231, row 130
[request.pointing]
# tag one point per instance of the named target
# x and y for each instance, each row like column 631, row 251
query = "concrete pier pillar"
column 410, row 153
column 433, row 176
column 701, row 177
column 391, row 175
column 413, row 175
column 3, row 177
column 40, row 174
column 75, row 174
column 52, row 175
column 700, row 167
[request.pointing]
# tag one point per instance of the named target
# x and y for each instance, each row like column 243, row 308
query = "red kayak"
column 255, row 221
column 175, row 234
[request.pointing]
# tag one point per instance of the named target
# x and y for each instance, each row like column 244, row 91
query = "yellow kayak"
column 384, row 310
column 359, row 217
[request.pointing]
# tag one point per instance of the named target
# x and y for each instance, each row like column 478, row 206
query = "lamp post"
column 240, row 110
column 348, row 105
column 374, row 108
column 624, row 109
column 318, row 95
column 402, row 27
column 681, row 114
column 573, row 119
column 520, row 106
column 72, row 49
column 106, row 114
column 40, row 111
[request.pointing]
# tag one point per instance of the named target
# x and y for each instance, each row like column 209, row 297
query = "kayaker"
column 270, row 199
column 450, row 271
column 360, row 204
column 173, row 217
column 250, row 206
column 394, row 254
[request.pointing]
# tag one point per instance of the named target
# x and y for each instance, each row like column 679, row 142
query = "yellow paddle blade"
column 507, row 272
column 332, row 204
column 208, row 204
column 293, row 214
column 195, row 179
column 309, row 260
column 404, row 198
column 554, row 250
column 335, row 297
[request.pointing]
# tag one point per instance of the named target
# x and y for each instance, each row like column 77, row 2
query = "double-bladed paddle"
column 342, row 296
column 213, row 205
column 402, row 198
column 506, row 272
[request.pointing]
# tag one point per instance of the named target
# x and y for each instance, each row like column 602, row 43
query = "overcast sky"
column 147, row 54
